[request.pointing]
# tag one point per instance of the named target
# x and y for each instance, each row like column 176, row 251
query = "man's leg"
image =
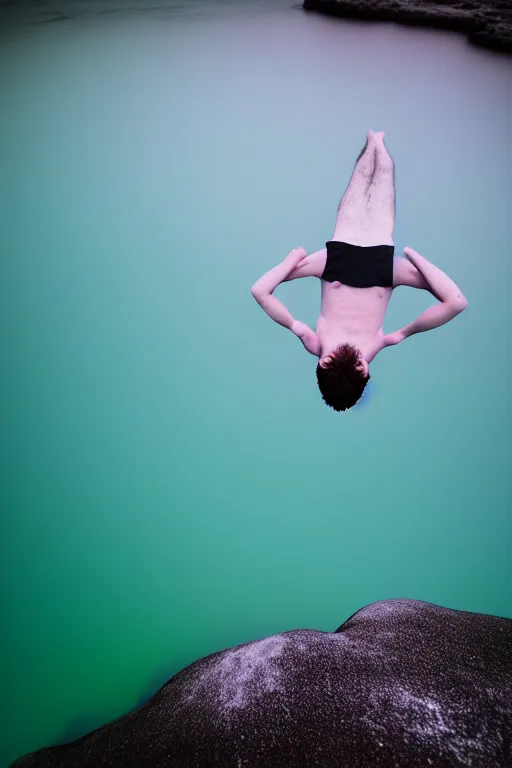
column 366, row 214
column 382, row 195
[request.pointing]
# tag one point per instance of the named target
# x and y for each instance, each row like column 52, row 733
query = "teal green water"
column 173, row 483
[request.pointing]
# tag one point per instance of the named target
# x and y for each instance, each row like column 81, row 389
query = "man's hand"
column 267, row 284
column 410, row 252
column 294, row 258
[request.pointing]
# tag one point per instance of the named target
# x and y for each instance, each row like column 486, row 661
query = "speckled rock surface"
column 487, row 23
column 401, row 683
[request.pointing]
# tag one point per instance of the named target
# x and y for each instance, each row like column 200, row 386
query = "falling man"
column 358, row 272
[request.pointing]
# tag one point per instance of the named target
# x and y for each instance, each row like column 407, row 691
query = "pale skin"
column 366, row 217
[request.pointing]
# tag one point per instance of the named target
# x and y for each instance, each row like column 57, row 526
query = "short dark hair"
column 339, row 380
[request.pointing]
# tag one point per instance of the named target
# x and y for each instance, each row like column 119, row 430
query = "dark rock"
column 487, row 23
column 401, row 683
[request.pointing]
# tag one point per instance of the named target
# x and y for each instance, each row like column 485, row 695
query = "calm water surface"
column 173, row 483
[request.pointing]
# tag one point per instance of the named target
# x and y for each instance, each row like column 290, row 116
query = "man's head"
column 342, row 376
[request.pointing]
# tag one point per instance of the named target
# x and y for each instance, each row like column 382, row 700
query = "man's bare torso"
column 353, row 315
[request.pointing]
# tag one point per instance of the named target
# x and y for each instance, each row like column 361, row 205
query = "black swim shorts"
column 359, row 266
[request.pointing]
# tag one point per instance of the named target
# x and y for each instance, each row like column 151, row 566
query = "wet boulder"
column 400, row 683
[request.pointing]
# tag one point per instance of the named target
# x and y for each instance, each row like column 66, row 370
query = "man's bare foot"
column 376, row 136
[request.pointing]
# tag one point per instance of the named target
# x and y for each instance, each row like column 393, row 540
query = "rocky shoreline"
column 487, row 23
column 400, row 682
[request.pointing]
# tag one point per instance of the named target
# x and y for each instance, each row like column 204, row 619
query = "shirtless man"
column 358, row 271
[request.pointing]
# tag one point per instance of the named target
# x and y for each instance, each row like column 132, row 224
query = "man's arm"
column 263, row 289
column 451, row 299
column 310, row 266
